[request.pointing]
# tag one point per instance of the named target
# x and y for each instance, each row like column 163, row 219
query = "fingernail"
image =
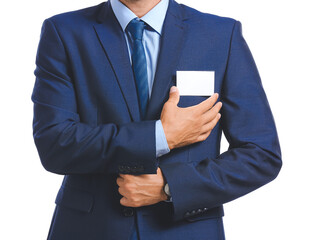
column 173, row 89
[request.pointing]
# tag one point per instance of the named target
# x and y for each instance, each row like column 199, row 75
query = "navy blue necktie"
column 139, row 63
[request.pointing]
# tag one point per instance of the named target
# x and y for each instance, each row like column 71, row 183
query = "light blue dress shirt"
column 151, row 42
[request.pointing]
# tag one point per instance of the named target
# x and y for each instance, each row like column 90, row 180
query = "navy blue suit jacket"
column 86, row 123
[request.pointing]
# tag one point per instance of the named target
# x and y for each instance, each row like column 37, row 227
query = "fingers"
column 130, row 200
column 124, row 202
column 127, row 176
column 207, row 104
column 174, row 95
column 210, row 125
column 212, row 113
column 122, row 191
column 120, row 181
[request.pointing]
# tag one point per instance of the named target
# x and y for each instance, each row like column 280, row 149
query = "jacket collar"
column 111, row 37
column 154, row 18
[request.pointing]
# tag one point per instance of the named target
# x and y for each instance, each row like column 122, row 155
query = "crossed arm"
column 254, row 155
column 183, row 126
column 68, row 146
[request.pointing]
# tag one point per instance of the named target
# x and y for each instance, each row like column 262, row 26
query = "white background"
column 278, row 34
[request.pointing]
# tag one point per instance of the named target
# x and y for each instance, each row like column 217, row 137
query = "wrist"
column 168, row 137
column 170, row 145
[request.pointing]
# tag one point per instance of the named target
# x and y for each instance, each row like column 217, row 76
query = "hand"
column 141, row 190
column 184, row 126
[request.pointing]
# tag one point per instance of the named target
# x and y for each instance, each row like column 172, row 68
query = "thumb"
column 174, row 95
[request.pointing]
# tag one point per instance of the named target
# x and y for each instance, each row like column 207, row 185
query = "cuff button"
column 187, row 214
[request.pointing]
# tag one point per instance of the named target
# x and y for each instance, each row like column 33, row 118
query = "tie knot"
column 136, row 28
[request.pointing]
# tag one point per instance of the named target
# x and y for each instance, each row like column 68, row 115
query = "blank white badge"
column 195, row 83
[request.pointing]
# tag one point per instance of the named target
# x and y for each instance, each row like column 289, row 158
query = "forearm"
column 67, row 146
column 214, row 181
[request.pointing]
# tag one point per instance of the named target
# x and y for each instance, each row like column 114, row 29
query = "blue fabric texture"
column 87, row 124
column 134, row 235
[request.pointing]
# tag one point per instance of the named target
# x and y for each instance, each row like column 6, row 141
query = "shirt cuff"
column 161, row 142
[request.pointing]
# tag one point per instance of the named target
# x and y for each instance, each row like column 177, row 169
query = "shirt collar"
column 154, row 18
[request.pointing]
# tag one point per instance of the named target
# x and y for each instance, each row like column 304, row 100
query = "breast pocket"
column 199, row 151
column 187, row 101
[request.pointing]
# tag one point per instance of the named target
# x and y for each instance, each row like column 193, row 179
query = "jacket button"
column 128, row 212
column 187, row 214
column 121, row 168
column 128, row 168
column 134, row 169
column 140, row 168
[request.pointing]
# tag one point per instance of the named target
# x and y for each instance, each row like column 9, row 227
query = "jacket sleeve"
column 254, row 155
column 64, row 143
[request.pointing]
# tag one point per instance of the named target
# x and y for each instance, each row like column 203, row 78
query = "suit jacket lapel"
column 112, row 39
column 113, row 42
column 173, row 36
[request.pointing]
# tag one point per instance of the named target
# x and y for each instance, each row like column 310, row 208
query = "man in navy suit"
column 139, row 160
